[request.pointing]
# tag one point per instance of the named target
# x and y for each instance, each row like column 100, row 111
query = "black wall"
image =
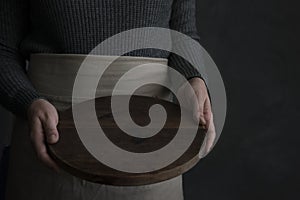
column 255, row 44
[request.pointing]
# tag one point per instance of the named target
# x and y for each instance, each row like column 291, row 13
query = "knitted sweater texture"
column 77, row 27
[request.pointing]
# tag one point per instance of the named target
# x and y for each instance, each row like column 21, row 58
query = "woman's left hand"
column 201, row 108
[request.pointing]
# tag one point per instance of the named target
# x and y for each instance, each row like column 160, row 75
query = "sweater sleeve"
column 183, row 20
column 16, row 91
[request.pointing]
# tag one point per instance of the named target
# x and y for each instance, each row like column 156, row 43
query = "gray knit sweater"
column 78, row 26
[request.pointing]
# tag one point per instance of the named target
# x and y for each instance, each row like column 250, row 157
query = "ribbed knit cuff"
column 186, row 69
column 183, row 66
column 22, row 100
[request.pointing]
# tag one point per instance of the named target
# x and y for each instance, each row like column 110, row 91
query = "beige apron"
column 53, row 76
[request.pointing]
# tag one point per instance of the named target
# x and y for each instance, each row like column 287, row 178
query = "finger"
column 209, row 140
column 211, row 136
column 38, row 141
column 202, row 151
column 195, row 106
column 200, row 110
column 46, row 159
column 50, row 130
column 207, row 112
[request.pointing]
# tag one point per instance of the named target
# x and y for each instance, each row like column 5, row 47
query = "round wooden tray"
column 71, row 155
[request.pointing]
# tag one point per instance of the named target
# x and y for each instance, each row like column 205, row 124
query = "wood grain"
column 72, row 156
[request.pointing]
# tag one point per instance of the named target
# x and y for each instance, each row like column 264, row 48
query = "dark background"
column 255, row 44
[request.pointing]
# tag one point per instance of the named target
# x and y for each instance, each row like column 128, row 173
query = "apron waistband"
column 53, row 76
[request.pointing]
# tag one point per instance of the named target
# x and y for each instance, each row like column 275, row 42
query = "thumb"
column 50, row 131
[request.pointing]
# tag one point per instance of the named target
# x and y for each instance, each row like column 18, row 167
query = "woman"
column 73, row 27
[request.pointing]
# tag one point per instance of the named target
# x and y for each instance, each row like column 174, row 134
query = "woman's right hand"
column 43, row 119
